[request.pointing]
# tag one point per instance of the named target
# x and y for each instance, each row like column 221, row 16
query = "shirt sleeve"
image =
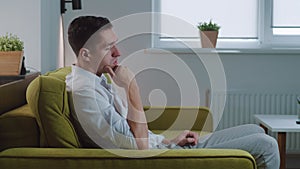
column 155, row 140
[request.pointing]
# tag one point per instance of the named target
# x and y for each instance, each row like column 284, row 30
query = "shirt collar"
column 89, row 75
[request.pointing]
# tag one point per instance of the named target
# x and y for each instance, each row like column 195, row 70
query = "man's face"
column 106, row 51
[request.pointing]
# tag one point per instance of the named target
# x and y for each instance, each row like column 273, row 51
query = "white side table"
column 281, row 124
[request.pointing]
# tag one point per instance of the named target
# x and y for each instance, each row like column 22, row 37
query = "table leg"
column 281, row 139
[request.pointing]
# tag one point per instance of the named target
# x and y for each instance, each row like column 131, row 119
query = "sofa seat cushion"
column 18, row 128
column 103, row 159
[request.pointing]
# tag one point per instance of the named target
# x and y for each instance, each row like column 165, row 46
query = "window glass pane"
column 286, row 31
column 286, row 13
column 238, row 19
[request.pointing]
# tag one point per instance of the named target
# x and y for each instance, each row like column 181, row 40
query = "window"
column 286, row 23
column 286, row 17
column 244, row 24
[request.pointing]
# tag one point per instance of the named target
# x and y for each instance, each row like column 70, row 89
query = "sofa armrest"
column 179, row 118
column 18, row 128
column 100, row 158
column 13, row 90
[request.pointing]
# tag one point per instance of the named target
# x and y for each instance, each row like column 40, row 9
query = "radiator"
column 240, row 107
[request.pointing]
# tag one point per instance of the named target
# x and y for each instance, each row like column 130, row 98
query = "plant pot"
column 209, row 39
column 10, row 63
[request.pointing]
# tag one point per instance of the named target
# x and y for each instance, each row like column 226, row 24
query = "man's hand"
column 186, row 138
column 121, row 75
column 110, row 70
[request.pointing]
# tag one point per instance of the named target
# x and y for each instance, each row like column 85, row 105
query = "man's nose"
column 115, row 52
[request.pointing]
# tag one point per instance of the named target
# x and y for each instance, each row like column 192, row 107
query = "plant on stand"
column 11, row 55
column 208, row 34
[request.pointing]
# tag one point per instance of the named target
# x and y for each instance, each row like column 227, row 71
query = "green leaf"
column 10, row 42
column 204, row 26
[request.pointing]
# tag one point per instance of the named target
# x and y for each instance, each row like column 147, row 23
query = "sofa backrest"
column 48, row 100
column 179, row 118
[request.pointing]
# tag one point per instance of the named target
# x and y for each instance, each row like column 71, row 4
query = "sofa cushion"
column 103, row 159
column 18, row 128
column 179, row 118
column 47, row 98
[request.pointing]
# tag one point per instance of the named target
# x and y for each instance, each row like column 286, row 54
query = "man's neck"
column 87, row 68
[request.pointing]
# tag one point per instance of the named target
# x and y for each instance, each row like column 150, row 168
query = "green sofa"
column 40, row 134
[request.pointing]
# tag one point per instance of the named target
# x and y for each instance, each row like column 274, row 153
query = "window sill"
column 274, row 50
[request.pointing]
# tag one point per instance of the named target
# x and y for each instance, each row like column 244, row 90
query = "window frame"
column 266, row 38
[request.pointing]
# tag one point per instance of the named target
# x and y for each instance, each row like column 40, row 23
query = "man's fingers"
column 190, row 140
column 193, row 135
column 109, row 70
column 115, row 68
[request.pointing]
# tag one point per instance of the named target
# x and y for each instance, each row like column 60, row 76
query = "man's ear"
column 84, row 54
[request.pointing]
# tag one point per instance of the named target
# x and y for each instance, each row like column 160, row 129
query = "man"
column 103, row 119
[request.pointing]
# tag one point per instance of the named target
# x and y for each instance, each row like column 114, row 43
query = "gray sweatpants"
column 250, row 138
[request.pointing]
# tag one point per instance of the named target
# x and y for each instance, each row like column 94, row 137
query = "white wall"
column 23, row 18
column 36, row 22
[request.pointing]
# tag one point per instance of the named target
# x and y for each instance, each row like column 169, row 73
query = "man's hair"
column 82, row 28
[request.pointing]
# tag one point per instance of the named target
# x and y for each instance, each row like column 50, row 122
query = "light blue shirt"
column 100, row 111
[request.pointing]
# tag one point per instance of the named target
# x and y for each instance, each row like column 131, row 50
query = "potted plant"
column 208, row 34
column 11, row 54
